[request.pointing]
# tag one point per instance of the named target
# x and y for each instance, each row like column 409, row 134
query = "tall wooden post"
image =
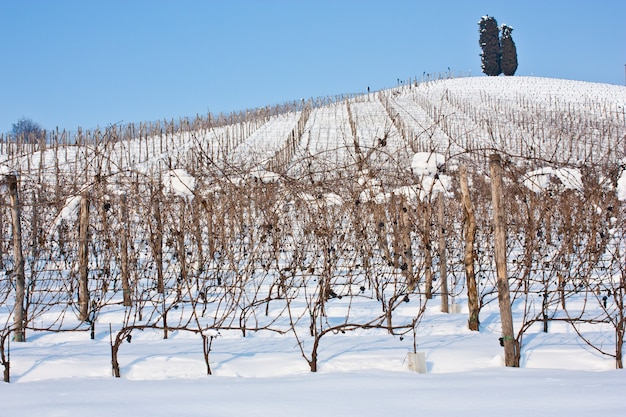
column 125, row 270
column 19, row 315
column 428, row 260
column 405, row 238
column 443, row 268
column 197, row 231
column 83, row 261
column 157, row 243
column 182, row 253
column 504, row 297
column 470, row 234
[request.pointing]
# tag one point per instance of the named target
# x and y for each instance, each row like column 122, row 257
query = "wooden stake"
column 504, row 297
column 83, row 261
column 157, row 242
column 470, row 234
column 428, row 260
column 443, row 268
column 18, row 271
column 125, row 270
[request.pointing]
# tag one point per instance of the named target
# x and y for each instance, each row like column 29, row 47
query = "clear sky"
column 92, row 63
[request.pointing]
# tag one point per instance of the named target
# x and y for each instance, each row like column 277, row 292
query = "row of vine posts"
column 242, row 254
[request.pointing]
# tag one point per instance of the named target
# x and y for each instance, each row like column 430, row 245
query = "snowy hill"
column 325, row 236
column 532, row 117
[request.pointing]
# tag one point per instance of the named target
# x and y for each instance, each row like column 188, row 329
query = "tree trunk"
column 504, row 297
column 83, row 261
column 470, row 235
column 19, row 314
column 115, row 365
column 313, row 361
column 207, row 341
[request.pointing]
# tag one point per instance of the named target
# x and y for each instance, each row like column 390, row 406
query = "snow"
column 621, row 186
column 69, row 212
column 541, row 179
column 364, row 372
column 261, row 145
column 323, row 199
column 427, row 164
column 369, row 393
column 179, row 182
column 428, row 167
column 360, row 375
column 264, row 176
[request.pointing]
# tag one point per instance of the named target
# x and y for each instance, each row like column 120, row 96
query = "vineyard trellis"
column 297, row 252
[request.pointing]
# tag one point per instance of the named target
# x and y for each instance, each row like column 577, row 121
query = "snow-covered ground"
column 367, row 374
column 369, row 393
column 362, row 372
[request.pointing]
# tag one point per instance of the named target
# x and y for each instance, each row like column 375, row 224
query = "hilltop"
column 565, row 121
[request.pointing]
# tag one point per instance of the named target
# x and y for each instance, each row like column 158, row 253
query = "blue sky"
column 92, row 63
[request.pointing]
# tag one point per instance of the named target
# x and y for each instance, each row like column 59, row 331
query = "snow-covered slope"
column 280, row 238
column 556, row 119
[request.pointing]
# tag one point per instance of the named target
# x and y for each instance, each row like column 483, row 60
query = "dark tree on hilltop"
column 490, row 43
column 27, row 130
column 508, row 61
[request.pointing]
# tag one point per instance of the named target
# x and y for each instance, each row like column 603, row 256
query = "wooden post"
column 380, row 220
column 197, row 231
column 504, row 297
column 19, row 315
column 127, row 302
column 157, row 243
column 182, row 253
column 83, row 261
column 428, row 259
column 405, row 243
column 3, row 242
column 443, row 268
column 470, row 234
